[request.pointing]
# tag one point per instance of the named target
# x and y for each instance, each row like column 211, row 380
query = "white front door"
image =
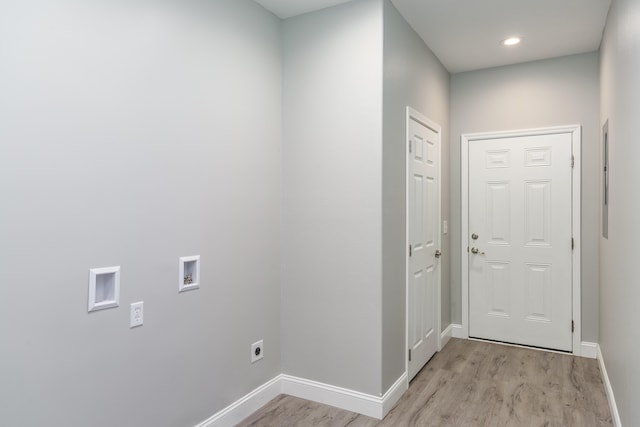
column 424, row 240
column 520, row 243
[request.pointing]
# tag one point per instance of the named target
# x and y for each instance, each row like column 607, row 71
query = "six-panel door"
column 424, row 208
column 520, row 263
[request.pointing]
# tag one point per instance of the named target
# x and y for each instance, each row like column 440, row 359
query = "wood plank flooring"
column 471, row 383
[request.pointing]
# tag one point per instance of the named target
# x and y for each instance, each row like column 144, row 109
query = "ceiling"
column 465, row 34
column 288, row 8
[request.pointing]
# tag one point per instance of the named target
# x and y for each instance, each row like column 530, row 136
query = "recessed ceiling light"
column 511, row 41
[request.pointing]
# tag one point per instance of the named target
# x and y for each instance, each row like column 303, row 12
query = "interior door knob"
column 438, row 253
column 476, row 251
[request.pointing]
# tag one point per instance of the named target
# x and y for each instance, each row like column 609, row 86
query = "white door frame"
column 414, row 114
column 576, row 284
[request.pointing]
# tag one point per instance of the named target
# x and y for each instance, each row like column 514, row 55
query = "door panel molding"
column 534, row 158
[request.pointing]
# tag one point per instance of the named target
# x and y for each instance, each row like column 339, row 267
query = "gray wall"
column 332, row 189
column 133, row 133
column 414, row 77
column 619, row 290
column 545, row 93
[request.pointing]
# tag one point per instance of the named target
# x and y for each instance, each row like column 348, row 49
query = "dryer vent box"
column 104, row 288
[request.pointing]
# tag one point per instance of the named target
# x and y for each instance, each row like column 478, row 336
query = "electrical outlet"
column 137, row 314
column 257, row 351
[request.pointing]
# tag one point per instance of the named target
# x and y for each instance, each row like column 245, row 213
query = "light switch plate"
column 137, row 314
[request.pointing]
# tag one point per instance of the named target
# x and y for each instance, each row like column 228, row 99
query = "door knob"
column 476, row 251
column 474, row 236
column 438, row 253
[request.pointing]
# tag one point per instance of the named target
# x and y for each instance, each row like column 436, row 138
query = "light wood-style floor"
column 471, row 383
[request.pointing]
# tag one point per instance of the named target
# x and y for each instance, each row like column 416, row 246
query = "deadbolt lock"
column 474, row 236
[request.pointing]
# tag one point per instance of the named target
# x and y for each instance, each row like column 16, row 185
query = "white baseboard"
column 362, row 403
column 589, row 349
column 445, row 336
column 393, row 395
column 456, row 331
column 245, row 406
column 615, row 416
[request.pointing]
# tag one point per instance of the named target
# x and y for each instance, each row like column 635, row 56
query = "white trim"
column 445, row 336
column 576, row 215
column 464, row 239
column 245, row 406
column 394, row 394
column 362, row 403
column 615, row 415
column 339, row 397
column 576, row 143
column 414, row 114
column 456, row 331
column 589, row 349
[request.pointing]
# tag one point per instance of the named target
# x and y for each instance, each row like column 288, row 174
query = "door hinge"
column 410, row 250
column 573, row 161
column 409, row 355
column 573, row 326
column 573, row 244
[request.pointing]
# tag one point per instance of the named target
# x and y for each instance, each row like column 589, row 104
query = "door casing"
column 415, row 115
column 576, row 143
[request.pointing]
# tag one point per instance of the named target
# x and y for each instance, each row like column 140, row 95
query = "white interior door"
column 520, row 243
column 424, row 243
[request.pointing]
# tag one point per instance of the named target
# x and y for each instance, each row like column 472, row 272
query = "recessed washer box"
column 189, row 277
column 104, row 288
